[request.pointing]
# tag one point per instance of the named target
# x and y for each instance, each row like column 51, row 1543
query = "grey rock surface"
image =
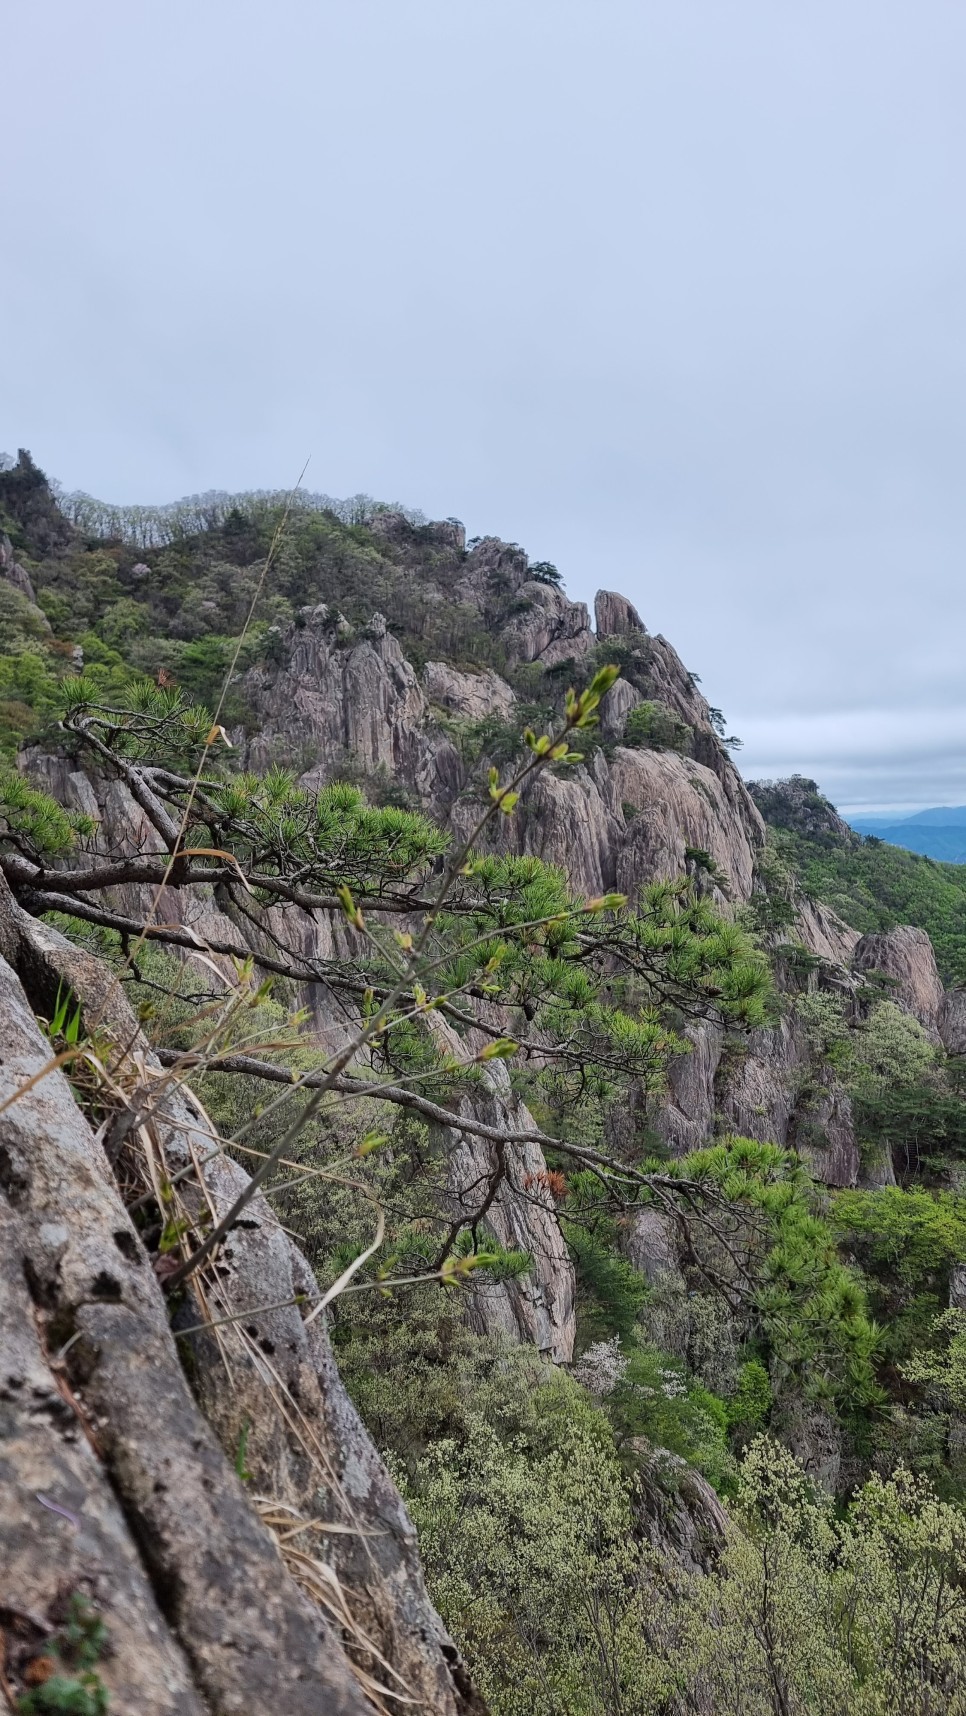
column 649, row 1244
column 538, row 1308
column 952, row 1022
column 473, row 696
column 905, row 958
column 161, row 1487
column 249, row 1637
column 678, row 1511
column 672, row 803
column 614, row 615
column 13, row 573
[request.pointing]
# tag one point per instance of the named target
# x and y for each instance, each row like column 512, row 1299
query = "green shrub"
column 533, row 1561
column 544, row 572
column 863, row 1615
column 610, row 1291
column 655, row 1403
column 908, row 1239
column 752, row 1401
column 653, row 726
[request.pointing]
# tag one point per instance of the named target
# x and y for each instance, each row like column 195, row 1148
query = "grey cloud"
column 868, row 759
column 670, row 294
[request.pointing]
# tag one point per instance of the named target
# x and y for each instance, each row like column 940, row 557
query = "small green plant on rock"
column 73, row 1684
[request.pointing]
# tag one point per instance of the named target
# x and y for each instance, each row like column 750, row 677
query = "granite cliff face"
column 333, row 695
column 904, row 959
column 629, row 816
column 339, row 694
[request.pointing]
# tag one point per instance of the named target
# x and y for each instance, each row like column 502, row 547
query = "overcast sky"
column 672, row 292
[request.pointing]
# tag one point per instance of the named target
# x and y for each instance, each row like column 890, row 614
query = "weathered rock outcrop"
column 760, row 1098
column 673, row 803
column 206, row 1614
column 13, row 573
column 616, row 706
column 536, row 621
column 764, row 1085
column 952, row 1022
column 813, row 1436
column 473, row 696
column 824, row 934
column 649, row 1244
column 539, row 1308
column 904, row 957
column 571, row 821
column 798, row 805
column 614, row 615
column 552, row 630
column 141, row 1506
column 505, row 1192
column 340, row 697
column 686, row 1118
column 679, row 1513
column 337, row 697
column 47, row 1462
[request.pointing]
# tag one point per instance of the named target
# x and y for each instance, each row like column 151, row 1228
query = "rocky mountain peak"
column 614, row 615
column 398, row 526
column 29, row 503
column 796, row 804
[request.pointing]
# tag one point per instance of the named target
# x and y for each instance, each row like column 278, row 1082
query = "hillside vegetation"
column 870, row 883
column 678, row 1406
column 177, row 610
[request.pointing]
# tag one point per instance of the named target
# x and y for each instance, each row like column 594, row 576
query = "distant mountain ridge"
column 941, row 816
column 936, row 833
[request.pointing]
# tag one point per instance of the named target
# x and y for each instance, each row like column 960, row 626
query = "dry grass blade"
column 343, row 1280
column 328, row 1527
column 217, row 852
column 321, row 1583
